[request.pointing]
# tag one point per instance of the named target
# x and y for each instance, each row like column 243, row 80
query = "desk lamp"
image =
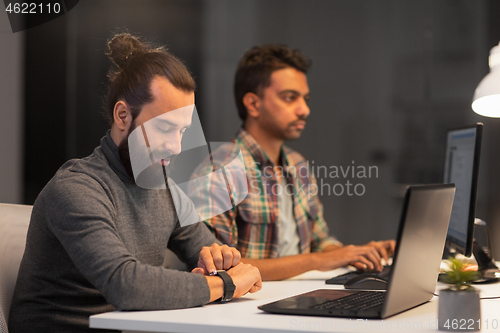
column 486, row 100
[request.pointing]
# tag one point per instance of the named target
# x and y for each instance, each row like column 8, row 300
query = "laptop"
column 415, row 268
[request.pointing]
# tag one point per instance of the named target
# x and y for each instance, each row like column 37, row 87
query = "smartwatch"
column 229, row 286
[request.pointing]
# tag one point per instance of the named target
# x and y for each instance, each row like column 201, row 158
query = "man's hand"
column 384, row 248
column 362, row 257
column 246, row 278
column 217, row 257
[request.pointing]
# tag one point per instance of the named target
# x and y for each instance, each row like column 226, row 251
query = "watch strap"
column 229, row 286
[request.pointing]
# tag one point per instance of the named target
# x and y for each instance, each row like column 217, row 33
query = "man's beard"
column 153, row 176
column 289, row 128
column 287, row 134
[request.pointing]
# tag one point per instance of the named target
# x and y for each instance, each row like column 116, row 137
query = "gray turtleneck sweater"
column 96, row 243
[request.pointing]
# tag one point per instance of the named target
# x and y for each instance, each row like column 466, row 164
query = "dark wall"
column 45, row 105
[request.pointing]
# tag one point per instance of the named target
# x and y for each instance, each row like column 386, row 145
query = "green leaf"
column 459, row 278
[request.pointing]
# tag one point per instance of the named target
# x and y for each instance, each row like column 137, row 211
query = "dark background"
column 389, row 77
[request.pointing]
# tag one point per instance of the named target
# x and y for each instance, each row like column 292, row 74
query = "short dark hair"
column 137, row 64
column 255, row 68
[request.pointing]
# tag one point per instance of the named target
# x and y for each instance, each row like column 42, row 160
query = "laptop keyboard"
column 361, row 300
column 343, row 278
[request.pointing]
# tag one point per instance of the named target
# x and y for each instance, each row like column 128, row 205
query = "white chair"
column 14, row 221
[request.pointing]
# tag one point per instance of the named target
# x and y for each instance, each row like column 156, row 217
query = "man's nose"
column 303, row 109
column 173, row 143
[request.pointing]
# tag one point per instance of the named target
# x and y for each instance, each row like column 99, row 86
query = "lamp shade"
column 486, row 101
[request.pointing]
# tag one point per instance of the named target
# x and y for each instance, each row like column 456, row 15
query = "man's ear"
column 122, row 116
column 252, row 103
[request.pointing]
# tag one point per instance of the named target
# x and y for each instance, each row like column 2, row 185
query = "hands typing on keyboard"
column 367, row 279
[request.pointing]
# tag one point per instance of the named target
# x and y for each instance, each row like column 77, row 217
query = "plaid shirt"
column 252, row 226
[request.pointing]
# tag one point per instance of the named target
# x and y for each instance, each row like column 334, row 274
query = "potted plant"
column 459, row 308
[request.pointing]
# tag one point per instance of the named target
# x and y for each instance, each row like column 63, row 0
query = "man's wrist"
column 216, row 286
column 314, row 261
column 228, row 283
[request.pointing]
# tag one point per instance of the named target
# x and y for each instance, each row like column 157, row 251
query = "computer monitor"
column 463, row 148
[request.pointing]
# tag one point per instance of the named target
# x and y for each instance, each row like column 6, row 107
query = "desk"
column 242, row 316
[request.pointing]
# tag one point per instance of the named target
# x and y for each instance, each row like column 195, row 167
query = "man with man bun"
column 97, row 240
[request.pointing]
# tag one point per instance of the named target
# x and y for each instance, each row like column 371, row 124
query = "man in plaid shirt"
column 279, row 227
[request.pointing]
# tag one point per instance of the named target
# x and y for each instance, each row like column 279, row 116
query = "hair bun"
column 122, row 46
